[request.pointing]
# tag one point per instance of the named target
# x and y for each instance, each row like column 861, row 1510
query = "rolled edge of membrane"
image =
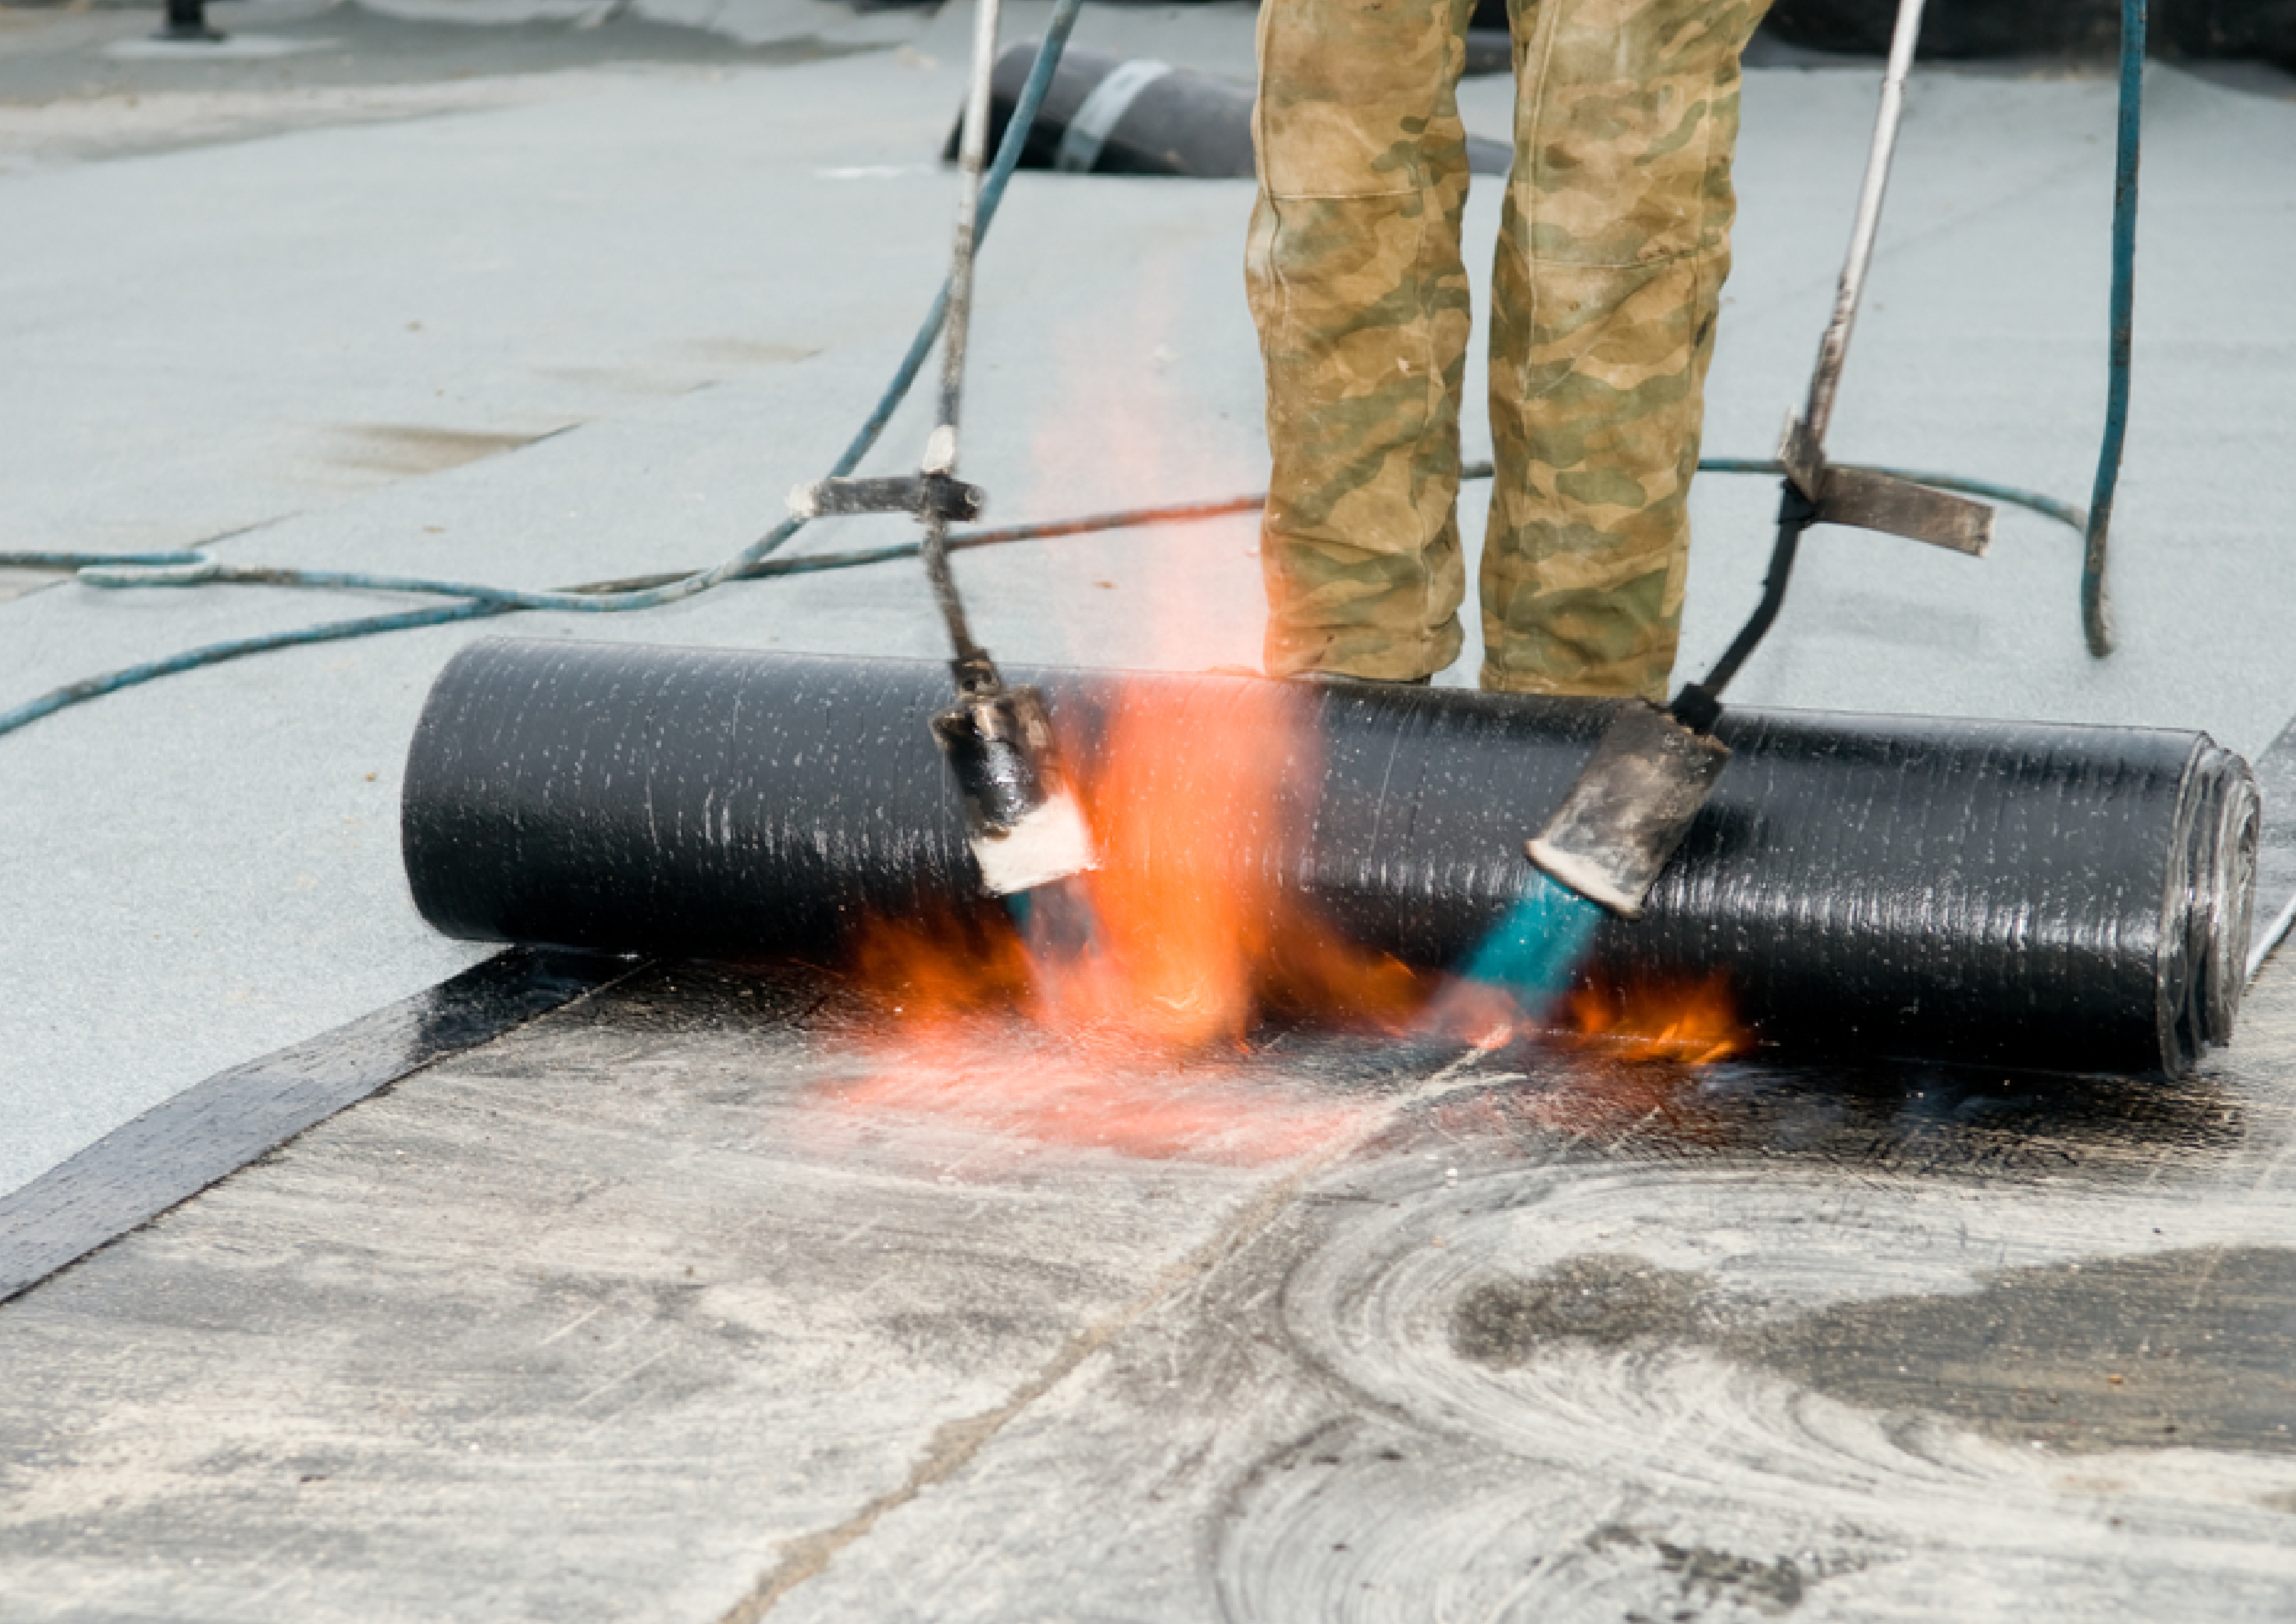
column 1050, row 843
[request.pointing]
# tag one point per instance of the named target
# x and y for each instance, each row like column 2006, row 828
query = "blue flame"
column 1056, row 921
column 1533, row 951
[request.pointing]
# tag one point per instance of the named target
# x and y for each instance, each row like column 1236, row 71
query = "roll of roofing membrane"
column 2013, row 894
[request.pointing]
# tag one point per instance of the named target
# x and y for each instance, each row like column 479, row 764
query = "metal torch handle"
column 941, row 449
column 1834, row 348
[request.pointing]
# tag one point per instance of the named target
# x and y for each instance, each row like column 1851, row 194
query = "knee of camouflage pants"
column 1361, row 300
column 1613, row 244
column 1610, row 261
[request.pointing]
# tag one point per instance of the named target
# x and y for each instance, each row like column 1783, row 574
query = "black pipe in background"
column 187, row 20
column 2015, row 894
column 1179, row 122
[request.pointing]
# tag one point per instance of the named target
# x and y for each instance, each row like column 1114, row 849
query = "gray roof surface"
column 703, row 1298
column 691, row 1299
column 488, row 303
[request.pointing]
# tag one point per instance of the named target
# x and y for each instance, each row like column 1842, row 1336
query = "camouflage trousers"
column 1613, row 244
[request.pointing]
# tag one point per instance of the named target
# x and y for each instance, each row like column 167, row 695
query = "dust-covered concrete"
column 715, row 1298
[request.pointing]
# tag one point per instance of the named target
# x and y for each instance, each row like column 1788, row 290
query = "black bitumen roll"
column 2013, row 894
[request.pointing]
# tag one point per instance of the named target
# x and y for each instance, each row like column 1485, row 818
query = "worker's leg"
column 1613, row 244
column 1361, row 300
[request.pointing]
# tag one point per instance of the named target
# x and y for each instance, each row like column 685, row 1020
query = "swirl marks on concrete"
column 1465, row 1534
column 1742, row 1369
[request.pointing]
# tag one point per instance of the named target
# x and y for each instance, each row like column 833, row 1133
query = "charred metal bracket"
column 1631, row 808
column 999, row 745
column 1880, row 502
column 920, row 496
column 1023, row 826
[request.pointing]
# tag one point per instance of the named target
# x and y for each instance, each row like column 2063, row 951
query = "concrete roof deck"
column 597, row 322
column 697, row 1301
column 536, row 304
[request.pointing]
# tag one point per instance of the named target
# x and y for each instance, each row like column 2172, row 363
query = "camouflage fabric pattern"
column 1613, row 245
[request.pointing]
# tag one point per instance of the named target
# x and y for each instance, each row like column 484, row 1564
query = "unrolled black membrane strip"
column 213, row 1128
column 2055, row 897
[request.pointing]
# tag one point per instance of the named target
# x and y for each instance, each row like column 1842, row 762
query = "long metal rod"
column 1697, row 704
column 941, row 449
column 969, row 657
column 1835, row 347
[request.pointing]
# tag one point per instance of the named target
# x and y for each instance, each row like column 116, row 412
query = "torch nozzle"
column 1618, row 826
column 1024, row 824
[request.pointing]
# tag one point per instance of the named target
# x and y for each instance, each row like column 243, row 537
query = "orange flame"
column 1194, row 940
column 1695, row 1025
column 943, row 965
column 1194, row 937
